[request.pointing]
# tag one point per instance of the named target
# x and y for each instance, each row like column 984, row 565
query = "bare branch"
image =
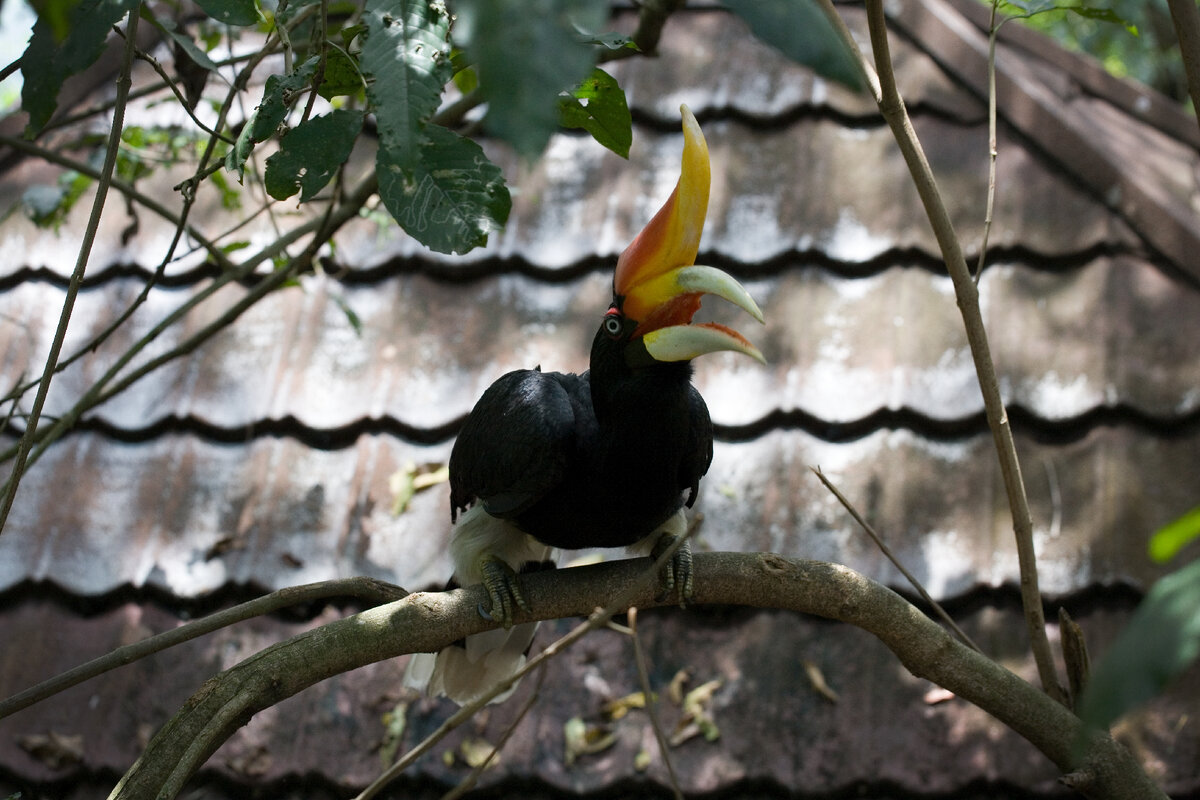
column 368, row 589
column 1186, row 17
column 85, row 251
column 883, row 86
column 639, row 656
column 426, row 622
column 887, row 551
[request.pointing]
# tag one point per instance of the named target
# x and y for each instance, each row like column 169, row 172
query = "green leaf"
column 453, row 196
column 181, row 38
column 612, row 41
column 1172, row 537
column 50, row 59
column 598, row 106
column 1102, row 15
column 1160, row 641
column 231, row 12
column 311, row 153
column 802, row 32
column 341, row 75
column 278, row 95
column 406, row 59
column 526, row 53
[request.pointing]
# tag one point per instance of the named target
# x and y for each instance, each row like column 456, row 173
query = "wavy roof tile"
column 265, row 459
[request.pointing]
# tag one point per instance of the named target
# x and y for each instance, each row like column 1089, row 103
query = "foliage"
column 398, row 64
column 1131, row 38
column 1160, row 641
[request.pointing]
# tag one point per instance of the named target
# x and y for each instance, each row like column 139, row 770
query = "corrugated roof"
column 264, row 459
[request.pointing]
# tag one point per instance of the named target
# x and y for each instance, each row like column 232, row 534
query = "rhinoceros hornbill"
column 603, row 459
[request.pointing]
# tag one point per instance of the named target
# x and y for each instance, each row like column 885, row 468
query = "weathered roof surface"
column 265, row 458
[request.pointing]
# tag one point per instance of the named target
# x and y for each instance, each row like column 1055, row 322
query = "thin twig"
column 468, row 783
column 162, row 73
column 883, row 86
column 597, row 619
column 1185, row 16
column 371, row 591
column 85, row 251
column 887, row 551
column 55, row 157
column 639, row 657
column 993, row 32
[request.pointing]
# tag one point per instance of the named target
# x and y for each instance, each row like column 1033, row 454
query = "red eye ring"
column 614, row 322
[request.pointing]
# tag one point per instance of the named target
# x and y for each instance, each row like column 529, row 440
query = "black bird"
column 608, row 458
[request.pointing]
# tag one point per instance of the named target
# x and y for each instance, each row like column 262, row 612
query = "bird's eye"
column 612, row 324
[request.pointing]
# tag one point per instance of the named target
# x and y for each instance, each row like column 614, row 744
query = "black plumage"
column 608, row 458
column 600, row 459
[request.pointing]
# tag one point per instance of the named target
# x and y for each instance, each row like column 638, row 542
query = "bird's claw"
column 504, row 588
column 677, row 572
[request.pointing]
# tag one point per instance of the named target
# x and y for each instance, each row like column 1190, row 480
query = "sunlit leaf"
column 50, row 59
column 598, row 106
column 1174, row 536
column 802, row 32
column 310, row 154
column 1161, row 639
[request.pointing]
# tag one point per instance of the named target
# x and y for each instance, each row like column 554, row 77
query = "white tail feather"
column 464, row 673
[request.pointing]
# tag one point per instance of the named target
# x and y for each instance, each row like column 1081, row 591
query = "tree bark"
column 429, row 621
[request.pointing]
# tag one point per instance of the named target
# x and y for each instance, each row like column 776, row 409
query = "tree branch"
column 368, row 590
column 891, row 105
column 425, row 622
column 1186, row 18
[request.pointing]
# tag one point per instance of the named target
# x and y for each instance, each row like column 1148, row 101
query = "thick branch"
column 430, row 621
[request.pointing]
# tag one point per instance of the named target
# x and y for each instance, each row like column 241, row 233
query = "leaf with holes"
column 451, row 199
column 278, row 95
column 311, row 153
column 406, row 59
column 598, row 106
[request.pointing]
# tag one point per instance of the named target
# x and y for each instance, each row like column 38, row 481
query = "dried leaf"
column 817, row 679
column 583, row 739
column 54, row 750
column 405, row 482
column 675, row 689
column 394, row 724
column 697, row 719
column 937, row 695
column 697, row 699
column 616, row 709
column 478, row 752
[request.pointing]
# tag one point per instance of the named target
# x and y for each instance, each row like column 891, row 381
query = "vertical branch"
column 993, row 31
column 85, row 250
column 883, row 86
column 1186, row 17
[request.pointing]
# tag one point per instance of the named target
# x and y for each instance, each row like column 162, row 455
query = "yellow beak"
column 657, row 282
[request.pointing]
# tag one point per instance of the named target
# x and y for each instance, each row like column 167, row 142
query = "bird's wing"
column 699, row 454
column 515, row 445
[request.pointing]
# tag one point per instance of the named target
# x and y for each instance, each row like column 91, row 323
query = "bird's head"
column 657, row 286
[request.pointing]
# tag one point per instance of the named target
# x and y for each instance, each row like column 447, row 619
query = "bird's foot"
column 677, row 572
column 504, row 589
